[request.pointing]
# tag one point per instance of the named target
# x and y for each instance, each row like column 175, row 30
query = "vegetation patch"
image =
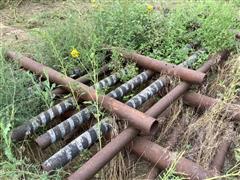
column 72, row 39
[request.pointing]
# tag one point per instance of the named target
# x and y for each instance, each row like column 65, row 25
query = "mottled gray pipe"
column 192, row 59
column 61, row 130
column 147, row 93
column 82, row 142
column 45, row 117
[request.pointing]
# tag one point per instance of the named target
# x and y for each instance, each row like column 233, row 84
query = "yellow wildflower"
column 95, row 4
column 75, row 53
column 150, row 8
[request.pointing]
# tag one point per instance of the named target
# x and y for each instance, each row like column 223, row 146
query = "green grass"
column 121, row 23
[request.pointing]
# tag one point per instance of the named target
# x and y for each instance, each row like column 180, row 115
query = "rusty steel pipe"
column 61, row 130
column 41, row 120
column 219, row 158
column 135, row 118
column 163, row 158
column 83, row 79
column 205, row 102
column 61, row 157
column 180, row 89
column 90, row 168
column 185, row 74
column 172, row 141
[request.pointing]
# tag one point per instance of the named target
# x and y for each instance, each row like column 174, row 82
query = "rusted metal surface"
column 163, row 158
column 184, row 86
column 205, row 102
column 135, row 118
column 112, row 148
column 83, row 79
column 45, row 117
column 90, row 168
column 219, row 158
column 200, row 101
column 172, row 141
column 61, row 130
column 81, row 143
column 135, row 102
column 163, row 67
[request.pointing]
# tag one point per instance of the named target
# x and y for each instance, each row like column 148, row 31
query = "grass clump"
column 17, row 103
column 160, row 34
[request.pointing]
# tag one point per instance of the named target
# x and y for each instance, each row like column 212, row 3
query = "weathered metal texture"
column 29, row 127
column 191, row 59
column 200, row 101
column 75, row 73
column 180, row 89
column 205, row 102
column 61, row 130
column 119, row 92
column 147, row 93
column 163, row 159
column 134, row 117
column 219, row 158
column 101, row 158
column 136, row 101
column 150, row 90
column 83, row 79
column 172, row 141
column 90, row 168
column 44, row 118
column 82, row 142
column 163, row 67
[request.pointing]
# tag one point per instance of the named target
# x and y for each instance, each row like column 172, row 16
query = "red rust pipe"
column 205, row 102
column 163, row 159
column 101, row 158
column 185, row 74
column 219, row 158
column 184, row 86
column 172, row 141
column 136, row 118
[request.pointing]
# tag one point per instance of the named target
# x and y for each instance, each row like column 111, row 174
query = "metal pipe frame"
column 90, row 168
column 134, row 117
column 141, row 97
column 205, row 102
column 185, row 74
column 45, row 117
column 81, row 143
column 163, row 159
column 61, row 130
column 83, row 79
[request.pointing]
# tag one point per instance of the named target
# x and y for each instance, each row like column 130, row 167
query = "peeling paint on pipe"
column 81, row 143
column 205, row 102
